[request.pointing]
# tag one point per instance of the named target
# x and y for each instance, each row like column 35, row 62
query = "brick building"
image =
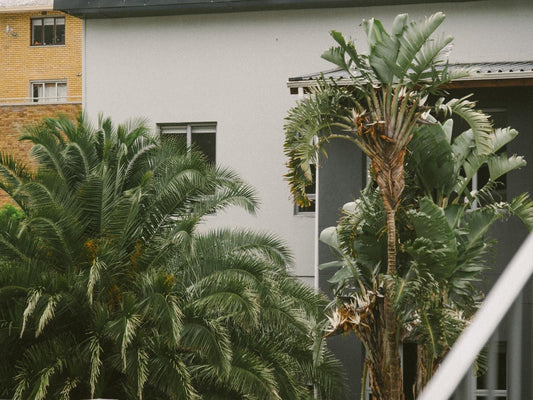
column 40, row 68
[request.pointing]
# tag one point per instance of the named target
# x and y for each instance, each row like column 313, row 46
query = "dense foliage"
column 413, row 245
column 443, row 236
column 107, row 289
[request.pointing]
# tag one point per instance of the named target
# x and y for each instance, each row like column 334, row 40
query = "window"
column 310, row 191
column 493, row 384
column 49, row 92
column 47, row 31
column 202, row 136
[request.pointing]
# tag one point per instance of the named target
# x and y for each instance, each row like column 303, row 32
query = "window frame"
column 34, row 43
column 52, row 99
column 188, row 129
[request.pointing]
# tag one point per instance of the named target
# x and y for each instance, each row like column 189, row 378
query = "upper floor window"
column 199, row 135
column 49, row 92
column 47, row 31
column 310, row 191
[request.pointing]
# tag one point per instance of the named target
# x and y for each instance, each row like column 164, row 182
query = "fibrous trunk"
column 389, row 177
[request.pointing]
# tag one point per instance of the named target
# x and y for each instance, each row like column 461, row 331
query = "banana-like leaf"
column 478, row 121
column 383, row 50
column 501, row 164
column 413, row 39
column 435, row 247
column 431, row 53
column 433, row 159
column 462, row 147
column 522, row 207
column 330, row 237
column 502, row 136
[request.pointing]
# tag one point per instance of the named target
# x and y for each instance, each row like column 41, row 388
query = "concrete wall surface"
column 233, row 69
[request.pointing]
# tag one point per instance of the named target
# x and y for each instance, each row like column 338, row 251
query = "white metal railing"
column 497, row 304
column 9, row 101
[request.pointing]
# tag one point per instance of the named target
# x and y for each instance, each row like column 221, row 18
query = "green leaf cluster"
column 443, row 237
column 109, row 288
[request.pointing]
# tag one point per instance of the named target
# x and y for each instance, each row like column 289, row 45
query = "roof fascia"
column 503, row 76
column 140, row 8
column 13, row 10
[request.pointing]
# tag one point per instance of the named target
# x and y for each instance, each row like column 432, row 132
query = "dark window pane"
column 206, row 143
column 501, row 373
column 37, row 91
column 49, row 31
column 311, row 188
column 502, row 366
column 482, row 381
column 37, row 32
column 60, row 31
column 311, row 208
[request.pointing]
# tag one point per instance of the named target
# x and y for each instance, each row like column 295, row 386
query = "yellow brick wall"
column 15, row 117
column 21, row 63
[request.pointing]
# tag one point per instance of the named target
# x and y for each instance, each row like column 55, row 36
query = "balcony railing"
column 498, row 325
column 6, row 101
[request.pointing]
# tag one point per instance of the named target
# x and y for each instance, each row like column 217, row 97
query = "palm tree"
column 444, row 244
column 108, row 290
column 379, row 111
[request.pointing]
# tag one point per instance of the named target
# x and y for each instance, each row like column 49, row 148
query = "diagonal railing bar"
column 498, row 302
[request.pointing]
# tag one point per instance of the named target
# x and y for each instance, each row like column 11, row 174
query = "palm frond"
column 308, row 127
column 210, row 340
column 48, row 313
column 414, row 38
column 478, row 121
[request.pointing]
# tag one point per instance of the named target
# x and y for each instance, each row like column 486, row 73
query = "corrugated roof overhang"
column 143, row 8
column 489, row 74
column 16, row 6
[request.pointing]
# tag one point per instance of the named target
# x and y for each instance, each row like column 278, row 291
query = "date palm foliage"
column 410, row 252
column 108, row 289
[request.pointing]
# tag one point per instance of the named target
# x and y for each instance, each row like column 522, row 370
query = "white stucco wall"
column 233, row 68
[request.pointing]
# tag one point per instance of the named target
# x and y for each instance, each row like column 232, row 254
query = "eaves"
column 141, row 8
column 488, row 74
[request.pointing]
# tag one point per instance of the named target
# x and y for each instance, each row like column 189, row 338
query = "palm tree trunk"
column 422, row 369
column 392, row 353
column 389, row 177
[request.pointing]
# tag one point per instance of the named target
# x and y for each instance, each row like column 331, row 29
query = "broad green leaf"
column 330, row 236
column 501, row 164
column 342, row 275
column 522, row 207
column 433, row 159
column 413, row 39
column 502, row 136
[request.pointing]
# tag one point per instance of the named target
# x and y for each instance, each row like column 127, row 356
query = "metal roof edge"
column 140, row 8
column 310, row 80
